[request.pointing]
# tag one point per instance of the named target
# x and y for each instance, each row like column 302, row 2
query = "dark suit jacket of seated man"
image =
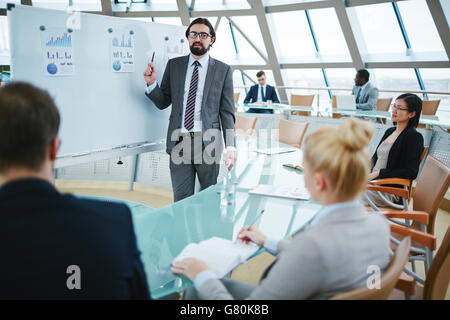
column 269, row 94
column 53, row 245
column 43, row 233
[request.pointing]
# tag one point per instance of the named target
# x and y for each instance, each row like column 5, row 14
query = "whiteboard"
column 100, row 109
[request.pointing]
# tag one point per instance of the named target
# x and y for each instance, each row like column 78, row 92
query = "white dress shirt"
column 202, row 71
column 260, row 99
column 361, row 91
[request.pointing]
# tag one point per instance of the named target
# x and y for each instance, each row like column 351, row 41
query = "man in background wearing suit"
column 56, row 246
column 200, row 90
column 261, row 93
column 366, row 94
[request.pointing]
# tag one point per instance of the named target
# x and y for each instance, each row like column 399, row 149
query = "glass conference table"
column 327, row 111
column 163, row 233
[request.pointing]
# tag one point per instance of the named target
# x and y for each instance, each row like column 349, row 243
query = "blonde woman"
column 341, row 247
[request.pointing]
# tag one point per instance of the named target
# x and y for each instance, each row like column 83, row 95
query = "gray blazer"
column 368, row 99
column 330, row 258
column 217, row 104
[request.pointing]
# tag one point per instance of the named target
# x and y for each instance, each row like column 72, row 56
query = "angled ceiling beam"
column 274, row 65
column 106, row 8
column 441, row 23
column 248, row 40
column 349, row 36
column 217, row 24
column 184, row 12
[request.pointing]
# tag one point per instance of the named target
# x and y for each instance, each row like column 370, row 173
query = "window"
column 4, row 41
column 420, row 26
column 380, row 28
column 291, row 31
column 328, row 32
column 341, row 78
column 395, row 79
column 305, row 78
column 168, row 20
column 438, row 80
column 201, row 5
column 3, row 3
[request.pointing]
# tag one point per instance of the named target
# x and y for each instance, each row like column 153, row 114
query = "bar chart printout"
column 122, row 51
column 57, row 52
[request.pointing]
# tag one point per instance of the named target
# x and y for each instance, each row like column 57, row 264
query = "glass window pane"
column 249, row 25
column 223, row 48
column 245, row 51
column 328, row 32
column 168, row 20
column 3, row 3
column 438, row 80
column 156, row 5
column 219, row 4
column 4, row 41
column 51, row 4
column 420, row 26
column 87, row 5
column 304, row 78
column 341, row 78
column 291, row 31
column 380, row 28
column 395, row 79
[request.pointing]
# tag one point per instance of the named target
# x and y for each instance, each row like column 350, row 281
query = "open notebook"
column 220, row 254
column 299, row 192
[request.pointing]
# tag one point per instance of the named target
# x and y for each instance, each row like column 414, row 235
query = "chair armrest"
column 419, row 216
column 397, row 191
column 423, row 238
column 406, row 284
column 295, row 145
column 400, row 181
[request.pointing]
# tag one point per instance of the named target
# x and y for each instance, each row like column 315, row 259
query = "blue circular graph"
column 117, row 65
column 52, row 68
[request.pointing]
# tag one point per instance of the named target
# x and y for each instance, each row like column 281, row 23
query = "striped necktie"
column 190, row 105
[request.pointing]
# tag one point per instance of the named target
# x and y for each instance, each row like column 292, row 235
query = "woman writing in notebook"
column 333, row 254
column 398, row 153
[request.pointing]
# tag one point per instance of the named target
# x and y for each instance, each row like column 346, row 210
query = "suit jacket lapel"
column 208, row 81
column 182, row 79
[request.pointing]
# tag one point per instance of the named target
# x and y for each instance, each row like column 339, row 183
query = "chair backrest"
column 387, row 281
column 438, row 277
column 431, row 187
column 384, row 104
column 236, row 97
column 334, row 106
column 245, row 125
column 292, row 132
column 429, row 107
column 302, row 100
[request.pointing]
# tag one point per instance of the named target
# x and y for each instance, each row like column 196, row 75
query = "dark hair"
column 206, row 23
column 364, row 74
column 29, row 121
column 414, row 103
column 260, row 74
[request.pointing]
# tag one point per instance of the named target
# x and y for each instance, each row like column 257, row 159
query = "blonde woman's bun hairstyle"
column 341, row 152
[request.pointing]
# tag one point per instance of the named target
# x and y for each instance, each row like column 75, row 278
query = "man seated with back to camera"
column 53, row 245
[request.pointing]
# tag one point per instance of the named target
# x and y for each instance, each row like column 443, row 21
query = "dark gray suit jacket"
column 217, row 104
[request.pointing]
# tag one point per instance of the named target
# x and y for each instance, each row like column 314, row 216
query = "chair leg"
column 413, row 264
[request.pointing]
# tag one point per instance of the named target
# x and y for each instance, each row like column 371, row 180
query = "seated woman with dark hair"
column 398, row 153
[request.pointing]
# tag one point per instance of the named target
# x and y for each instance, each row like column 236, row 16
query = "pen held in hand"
column 248, row 228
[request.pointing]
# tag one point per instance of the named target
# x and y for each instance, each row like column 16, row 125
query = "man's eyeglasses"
column 202, row 35
column 394, row 107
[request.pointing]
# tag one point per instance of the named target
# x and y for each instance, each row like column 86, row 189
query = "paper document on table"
column 275, row 150
column 283, row 192
column 220, row 254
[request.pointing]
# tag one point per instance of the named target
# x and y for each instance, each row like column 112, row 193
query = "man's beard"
column 198, row 51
